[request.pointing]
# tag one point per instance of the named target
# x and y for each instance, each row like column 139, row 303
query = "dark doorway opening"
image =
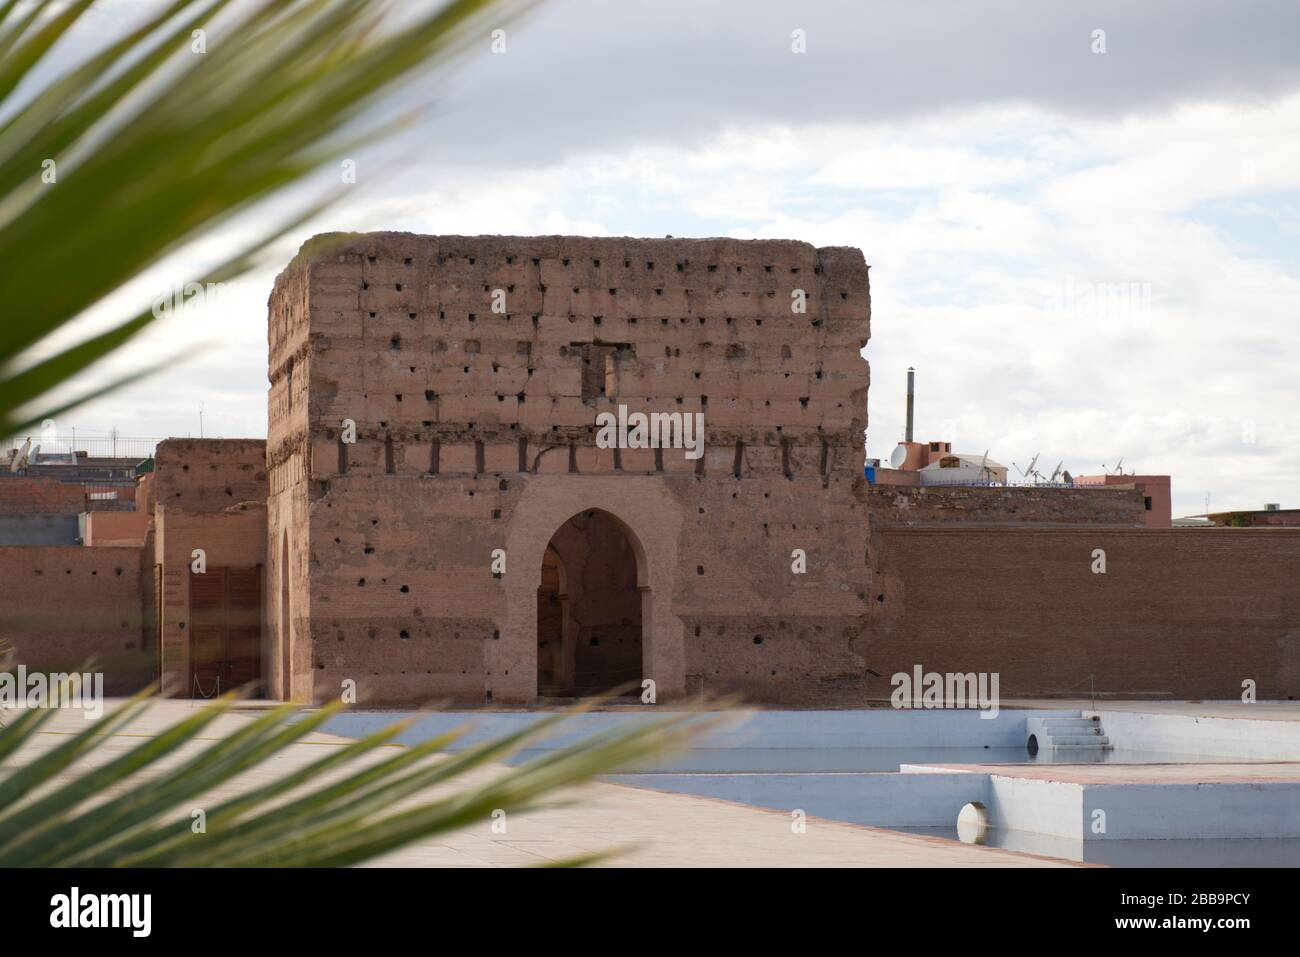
column 589, row 619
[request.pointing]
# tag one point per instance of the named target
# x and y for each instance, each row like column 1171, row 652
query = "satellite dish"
column 898, row 456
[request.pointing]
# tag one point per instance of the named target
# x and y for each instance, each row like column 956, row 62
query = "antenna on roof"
column 1025, row 473
column 1057, row 471
column 983, row 462
column 1119, row 466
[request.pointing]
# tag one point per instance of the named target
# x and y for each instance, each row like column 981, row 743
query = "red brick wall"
column 40, row 496
column 64, row 605
column 1179, row 613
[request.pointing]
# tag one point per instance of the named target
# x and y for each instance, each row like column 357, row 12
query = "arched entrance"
column 589, row 608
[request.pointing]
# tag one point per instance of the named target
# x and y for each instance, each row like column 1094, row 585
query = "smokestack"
column 911, row 401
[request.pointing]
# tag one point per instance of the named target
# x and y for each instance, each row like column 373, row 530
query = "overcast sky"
column 1086, row 255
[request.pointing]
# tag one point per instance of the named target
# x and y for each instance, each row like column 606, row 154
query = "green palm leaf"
column 341, row 809
column 154, row 145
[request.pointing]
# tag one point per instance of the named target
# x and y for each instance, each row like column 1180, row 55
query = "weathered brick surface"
column 210, row 494
column 476, row 430
column 40, row 496
column 1179, row 613
column 209, row 475
column 63, row 606
column 936, row 505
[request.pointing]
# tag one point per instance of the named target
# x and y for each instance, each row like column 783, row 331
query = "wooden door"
column 225, row 629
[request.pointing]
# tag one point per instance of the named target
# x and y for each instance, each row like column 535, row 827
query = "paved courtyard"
column 647, row 828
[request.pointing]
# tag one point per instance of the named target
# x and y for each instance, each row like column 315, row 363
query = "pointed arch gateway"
column 592, row 608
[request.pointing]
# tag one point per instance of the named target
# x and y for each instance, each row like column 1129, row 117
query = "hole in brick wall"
column 767, row 269
column 471, row 260
column 758, row 639
column 598, row 320
column 406, row 261
column 496, row 513
column 659, row 291
column 535, row 321
column 472, row 317
column 365, row 285
column 395, row 343
column 794, row 269
column 410, row 315
column 404, row 635
column 596, row 263
column 699, row 569
column 430, row 395
column 372, row 315
column 405, row 589
column 730, row 320
column 564, row 262
column 361, row 583
column 537, row 262
column 804, row 401
column 398, row 285
column 338, row 541
column 369, row 549
column 370, row 259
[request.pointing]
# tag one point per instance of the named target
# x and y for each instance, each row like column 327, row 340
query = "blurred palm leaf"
column 341, row 809
column 144, row 146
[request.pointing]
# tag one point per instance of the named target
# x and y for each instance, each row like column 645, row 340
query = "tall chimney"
column 911, row 400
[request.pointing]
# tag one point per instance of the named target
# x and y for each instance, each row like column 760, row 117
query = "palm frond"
column 153, row 145
column 349, row 806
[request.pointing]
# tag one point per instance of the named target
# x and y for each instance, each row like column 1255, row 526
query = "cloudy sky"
column 1085, row 254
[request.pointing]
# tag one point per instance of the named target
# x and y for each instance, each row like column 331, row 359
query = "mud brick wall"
column 209, row 475
column 893, row 505
column 209, row 494
column 475, row 430
column 40, row 496
column 1179, row 613
column 66, row 605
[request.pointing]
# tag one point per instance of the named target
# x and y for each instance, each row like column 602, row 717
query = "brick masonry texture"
column 894, row 505
column 1179, row 613
column 40, row 496
column 66, row 606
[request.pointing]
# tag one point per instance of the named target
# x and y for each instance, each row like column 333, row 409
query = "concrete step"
column 1066, row 733
column 1076, row 741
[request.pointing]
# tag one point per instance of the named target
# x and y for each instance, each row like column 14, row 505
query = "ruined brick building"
column 470, row 373
column 432, row 516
